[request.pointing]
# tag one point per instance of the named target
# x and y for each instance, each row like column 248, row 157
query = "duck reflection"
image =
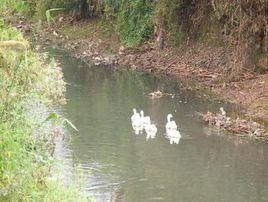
column 174, row 136
column 150, row 136
column 138, row 129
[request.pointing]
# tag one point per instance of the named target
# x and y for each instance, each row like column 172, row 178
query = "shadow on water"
column 127, row 167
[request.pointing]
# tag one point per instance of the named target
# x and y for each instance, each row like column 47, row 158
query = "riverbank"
column 204, row 66
column 31, row 86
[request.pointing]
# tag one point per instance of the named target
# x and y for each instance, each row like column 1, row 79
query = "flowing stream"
column 121, row 166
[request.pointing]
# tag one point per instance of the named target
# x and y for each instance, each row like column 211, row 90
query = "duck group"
column 141, row 122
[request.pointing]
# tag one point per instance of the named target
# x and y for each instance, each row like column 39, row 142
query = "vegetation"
column 133, row 22
column 237, row 23
column 29, row 87
column 29, row 83
column 137, row 21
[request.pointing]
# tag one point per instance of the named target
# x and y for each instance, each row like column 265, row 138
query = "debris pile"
column 237, row 126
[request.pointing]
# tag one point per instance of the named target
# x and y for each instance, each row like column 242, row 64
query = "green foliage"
column 49, row 17
column 111, row 8
column 43, row 8
column 29, row 86
column 166, row 16
column 61, row 121
column 16, row 6
column 134, row 21
column 37, row 8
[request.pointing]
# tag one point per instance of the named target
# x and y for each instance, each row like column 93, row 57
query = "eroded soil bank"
column 204, row 66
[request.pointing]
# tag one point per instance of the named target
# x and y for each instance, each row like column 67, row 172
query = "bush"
column 134, row 21
column 29, row 86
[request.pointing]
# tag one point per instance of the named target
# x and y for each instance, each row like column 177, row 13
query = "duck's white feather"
column 171, row 125
column 135, row 117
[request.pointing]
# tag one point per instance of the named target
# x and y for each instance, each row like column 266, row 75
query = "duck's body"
column 171, row 125
column 150, row 129
column 137, row 127
column 135, row 117
column 145, row 119
column 175, row 140
column 150, row 136
column 174, row 134
column 137, row 123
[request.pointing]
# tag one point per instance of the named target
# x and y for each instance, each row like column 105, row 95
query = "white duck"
column 150, row 136
column 145, row 119
column 171, row 125
column 175, row 140
column 136, row 122
column 150, row 129
column 174, row 134
column 136, row 116
column 138, row 128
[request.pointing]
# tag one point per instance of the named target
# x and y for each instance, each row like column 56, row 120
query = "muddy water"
column 122, row 166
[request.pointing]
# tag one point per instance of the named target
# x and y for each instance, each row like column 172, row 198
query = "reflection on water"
column 150, row 136
column 173, row 139
column 126, row 167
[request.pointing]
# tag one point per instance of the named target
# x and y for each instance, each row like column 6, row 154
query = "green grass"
column 29, row 87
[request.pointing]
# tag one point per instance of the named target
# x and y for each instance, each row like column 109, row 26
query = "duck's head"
column 134, row 111
column 169, row 116
column 142, row 113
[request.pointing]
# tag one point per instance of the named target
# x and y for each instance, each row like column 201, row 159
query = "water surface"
column 204, row 166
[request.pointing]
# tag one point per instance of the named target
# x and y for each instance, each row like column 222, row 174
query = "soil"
column 218, row 69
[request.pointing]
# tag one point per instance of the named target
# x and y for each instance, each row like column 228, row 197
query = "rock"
column 121, row 50
column 55, row 33
column 61, row 19
column 97, row 58
column 106, row 59
column 133, row 67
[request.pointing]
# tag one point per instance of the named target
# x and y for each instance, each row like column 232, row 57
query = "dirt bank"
column 207, row 66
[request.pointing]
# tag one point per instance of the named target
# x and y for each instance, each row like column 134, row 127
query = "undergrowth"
column 29, row 88
column 133, row 22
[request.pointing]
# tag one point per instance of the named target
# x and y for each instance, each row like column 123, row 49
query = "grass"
column 29, row 88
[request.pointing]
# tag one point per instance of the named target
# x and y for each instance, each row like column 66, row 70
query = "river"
column 119, row 165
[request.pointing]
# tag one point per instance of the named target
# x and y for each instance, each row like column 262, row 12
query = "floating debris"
column 237, row 126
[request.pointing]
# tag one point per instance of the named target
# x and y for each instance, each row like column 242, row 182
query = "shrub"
column 134, row 21
column 29, row 87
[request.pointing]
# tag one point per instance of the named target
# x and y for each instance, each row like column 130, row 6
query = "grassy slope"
column 29, row 87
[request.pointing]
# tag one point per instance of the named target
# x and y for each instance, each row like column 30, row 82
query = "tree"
column 84, row 8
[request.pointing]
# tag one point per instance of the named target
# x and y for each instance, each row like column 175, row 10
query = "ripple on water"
column 124, row 166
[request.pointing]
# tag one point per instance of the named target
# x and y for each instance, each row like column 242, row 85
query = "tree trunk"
column 84, row 10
